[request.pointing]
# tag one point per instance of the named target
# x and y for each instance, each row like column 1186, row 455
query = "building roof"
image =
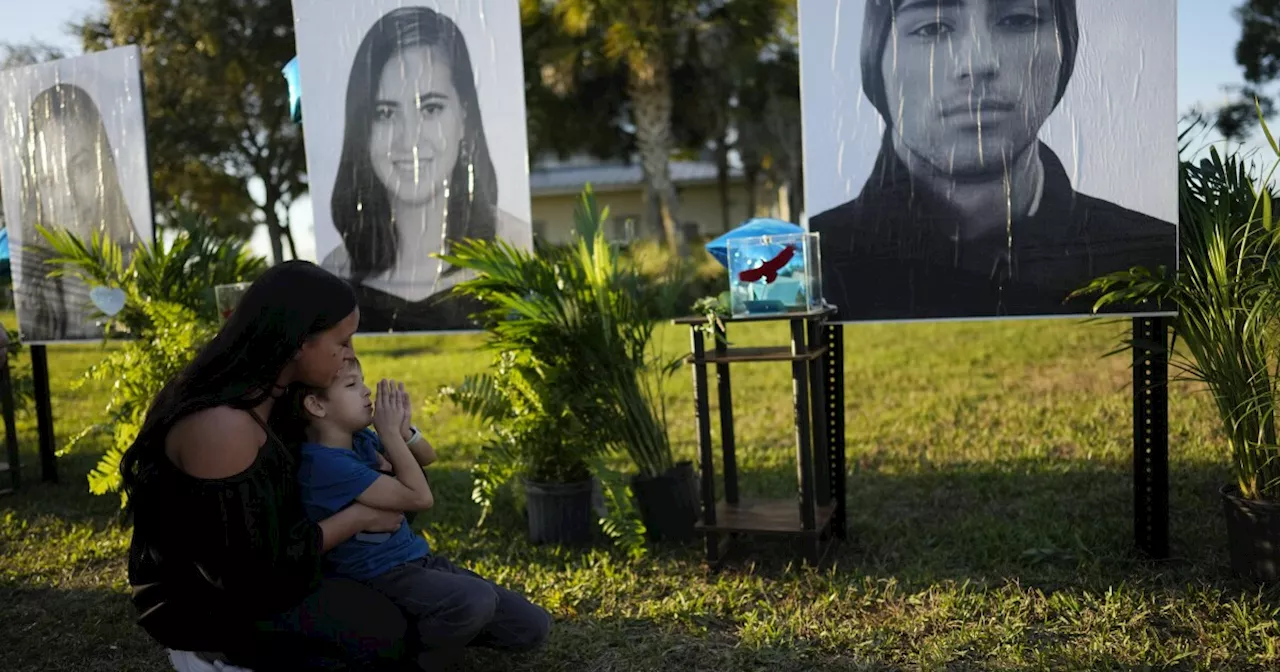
column 570, row 178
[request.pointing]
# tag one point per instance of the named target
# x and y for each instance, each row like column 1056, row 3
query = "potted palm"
column 1227, row 294
column 579, row 312
column 533, row 436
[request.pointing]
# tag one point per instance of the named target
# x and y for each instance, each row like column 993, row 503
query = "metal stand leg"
column 804, row 448
column 44, row 414
column 702, row 419
column 833, row 381
column 1151, row 436
column 728, row 451
column 10, row 426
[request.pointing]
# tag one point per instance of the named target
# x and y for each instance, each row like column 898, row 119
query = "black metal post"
column 834, row 383
column 800, row 395
column 820, row 439
column 703, row 420
column 1151, row 436
column 10, row 426
column 730, row 455
column 44, row 414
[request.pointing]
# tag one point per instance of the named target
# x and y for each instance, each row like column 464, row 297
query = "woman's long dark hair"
column 285, row 306
column 360, row 206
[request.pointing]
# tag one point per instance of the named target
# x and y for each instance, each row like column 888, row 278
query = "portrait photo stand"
column 11, row 468
column 816, row 517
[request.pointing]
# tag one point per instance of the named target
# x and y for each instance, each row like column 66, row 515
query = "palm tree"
column 649, row 40
column 643, row 37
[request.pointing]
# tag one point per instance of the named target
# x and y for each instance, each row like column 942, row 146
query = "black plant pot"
column 668, row 502
column 559, row 513
column 1253, row 535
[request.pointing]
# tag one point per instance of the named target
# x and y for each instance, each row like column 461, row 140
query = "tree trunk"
column 288, row 233
column 274, row 230
column 751, row 175
column 796, row 193
column 649, row 88
column 722, row 181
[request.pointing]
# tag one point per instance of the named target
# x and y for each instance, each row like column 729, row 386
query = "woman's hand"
column 378, row 520
column 388, row 409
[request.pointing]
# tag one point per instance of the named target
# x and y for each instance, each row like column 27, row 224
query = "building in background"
column 556, row 185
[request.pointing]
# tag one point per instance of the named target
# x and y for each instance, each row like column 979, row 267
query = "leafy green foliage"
column 581, row 312
column 1227, row 293
column 169, row 313
column 140, row 369
column 182, row 271
column 575, row 377
column 20, row 378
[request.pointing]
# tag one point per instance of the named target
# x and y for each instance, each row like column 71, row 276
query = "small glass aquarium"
column 772, row 274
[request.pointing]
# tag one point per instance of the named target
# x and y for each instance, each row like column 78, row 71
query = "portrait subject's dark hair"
column 44, row 300
column 287, row 305
column 878, row 24
column 360, row 206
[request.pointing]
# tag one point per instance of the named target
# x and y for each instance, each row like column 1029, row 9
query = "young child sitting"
column 342, row 462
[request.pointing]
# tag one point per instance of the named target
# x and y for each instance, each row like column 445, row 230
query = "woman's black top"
column 211, row 556
column 894, row 253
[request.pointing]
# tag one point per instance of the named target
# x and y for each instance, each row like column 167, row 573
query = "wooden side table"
column 817, row 517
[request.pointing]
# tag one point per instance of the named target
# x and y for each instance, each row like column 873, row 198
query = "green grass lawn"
column 990, row 525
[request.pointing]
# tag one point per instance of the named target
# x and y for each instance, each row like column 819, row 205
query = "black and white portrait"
column 75, row 159
column 986, row 158
column 414, row 123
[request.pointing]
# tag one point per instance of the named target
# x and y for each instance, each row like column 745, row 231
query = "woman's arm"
column 249, row 532
column 354, row 519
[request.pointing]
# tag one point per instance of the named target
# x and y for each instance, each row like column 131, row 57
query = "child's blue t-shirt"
column 331, row 479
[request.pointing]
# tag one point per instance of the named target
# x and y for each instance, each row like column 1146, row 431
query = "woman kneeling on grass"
column 224, row 558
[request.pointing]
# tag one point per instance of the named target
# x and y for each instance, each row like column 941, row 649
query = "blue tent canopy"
column 4, row 244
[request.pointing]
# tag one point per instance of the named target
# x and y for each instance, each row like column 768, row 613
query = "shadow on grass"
column 1059, row 527
column 48, row 630
column 68, row 500
column 1065, row 522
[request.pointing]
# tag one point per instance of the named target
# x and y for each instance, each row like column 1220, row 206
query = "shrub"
column 169, row 313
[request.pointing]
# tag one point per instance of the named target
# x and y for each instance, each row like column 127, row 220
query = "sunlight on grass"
column 990, row 524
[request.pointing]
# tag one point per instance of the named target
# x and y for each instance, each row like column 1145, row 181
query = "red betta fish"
column 769, row 269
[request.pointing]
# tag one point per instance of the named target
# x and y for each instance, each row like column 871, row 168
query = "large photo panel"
column 414, row 124
column 74, row 158
column 981, row 159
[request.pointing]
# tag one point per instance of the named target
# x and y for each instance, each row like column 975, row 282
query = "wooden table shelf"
column 817, row 516
column 770, row 353
column 766, row 516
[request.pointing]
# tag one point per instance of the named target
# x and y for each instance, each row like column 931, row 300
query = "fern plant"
column 532, row 432
column 182, row 270
column 576, row 377
column 580, row 310
column 169, row 313
column 139, row 369
column 1227, row 293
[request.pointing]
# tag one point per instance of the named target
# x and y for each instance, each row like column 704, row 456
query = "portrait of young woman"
column 68, row 178
column 966, row 211
column 415, row 172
